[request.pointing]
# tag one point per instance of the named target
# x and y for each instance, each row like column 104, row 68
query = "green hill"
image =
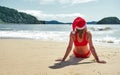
column 8, row 15
column 109, row 20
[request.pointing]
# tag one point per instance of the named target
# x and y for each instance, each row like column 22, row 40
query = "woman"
column 82, row 39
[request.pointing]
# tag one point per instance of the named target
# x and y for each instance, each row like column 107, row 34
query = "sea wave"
column 39, row 35
column 100, row 28
column 53, row 36
column 4, row 29
column 108, row 39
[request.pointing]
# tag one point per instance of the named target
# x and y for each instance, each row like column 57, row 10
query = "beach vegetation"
column 109, row 20
column 8, row 15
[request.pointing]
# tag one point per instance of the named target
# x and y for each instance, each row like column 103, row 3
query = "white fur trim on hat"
column 80, row 28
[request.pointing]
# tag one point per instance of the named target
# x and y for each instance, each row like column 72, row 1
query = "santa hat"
column 78, row 23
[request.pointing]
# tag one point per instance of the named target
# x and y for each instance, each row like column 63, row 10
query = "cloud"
column 60, row 17
column 46, row 1
column 81, row 1
column 70, row 2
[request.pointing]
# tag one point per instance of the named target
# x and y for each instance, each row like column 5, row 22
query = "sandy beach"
column 35, row 57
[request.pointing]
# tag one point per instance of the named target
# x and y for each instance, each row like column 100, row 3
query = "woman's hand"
column 101, row 61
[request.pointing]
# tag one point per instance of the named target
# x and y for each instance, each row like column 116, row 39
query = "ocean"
column 102, row 34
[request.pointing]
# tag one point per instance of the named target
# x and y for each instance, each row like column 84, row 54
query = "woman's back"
column 81, row 44
column 80, row 41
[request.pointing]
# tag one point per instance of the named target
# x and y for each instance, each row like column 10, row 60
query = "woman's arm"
column 68, row 48
column 93, row 49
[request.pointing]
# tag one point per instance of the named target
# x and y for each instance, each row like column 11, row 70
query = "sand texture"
column 34, row 57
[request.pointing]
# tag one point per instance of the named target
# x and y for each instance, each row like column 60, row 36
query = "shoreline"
column 95, row 43
column 36, row 57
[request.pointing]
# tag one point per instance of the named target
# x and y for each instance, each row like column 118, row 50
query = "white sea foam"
column 107, row 39
column 53, row 36
column 39, row 35
column 58, row 33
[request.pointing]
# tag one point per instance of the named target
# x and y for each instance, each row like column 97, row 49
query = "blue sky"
column 66, row 10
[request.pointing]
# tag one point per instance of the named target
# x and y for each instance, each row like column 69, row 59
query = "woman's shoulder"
column 72, row 34
column 89, row 34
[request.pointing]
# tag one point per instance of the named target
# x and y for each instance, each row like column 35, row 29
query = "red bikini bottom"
column 83, row 55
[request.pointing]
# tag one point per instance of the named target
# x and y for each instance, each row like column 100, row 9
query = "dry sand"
column 34, row 57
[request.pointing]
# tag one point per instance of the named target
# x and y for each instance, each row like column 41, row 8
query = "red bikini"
column 83, row 43
column 86, row 55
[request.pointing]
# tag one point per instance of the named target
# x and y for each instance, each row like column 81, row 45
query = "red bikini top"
column 84, row 41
